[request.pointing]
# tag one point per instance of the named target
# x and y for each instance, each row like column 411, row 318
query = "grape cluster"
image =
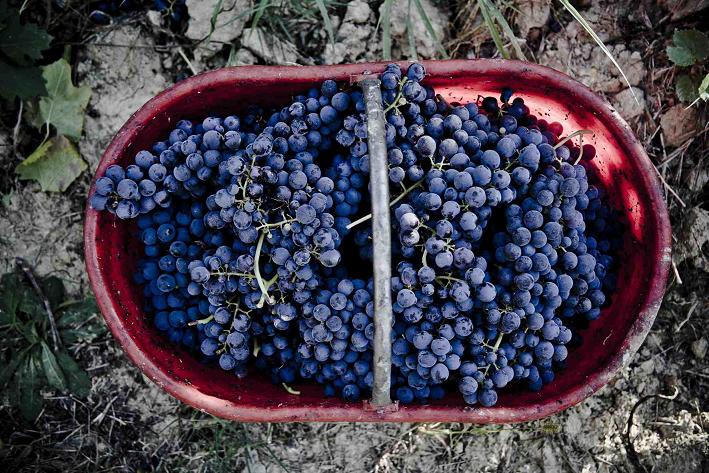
column 175, row 11
column 502, row 249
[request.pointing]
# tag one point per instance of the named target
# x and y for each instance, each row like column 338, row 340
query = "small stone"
column 692, row 235
column 228, row 26
column 352, row 37
column 244, row 57
column 679, row 123
column 155, row 18
column 699, row 348
column 270, row 48
column 627, row 105
column 648, row 366
column 531, row 14
column 229, row 21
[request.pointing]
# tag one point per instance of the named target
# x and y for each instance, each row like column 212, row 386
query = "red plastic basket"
column 625, row 170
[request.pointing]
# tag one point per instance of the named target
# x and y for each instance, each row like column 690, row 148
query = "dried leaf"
column 54, row 165
column 704, row 89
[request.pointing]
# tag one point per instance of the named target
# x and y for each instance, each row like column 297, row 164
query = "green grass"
column 287, row 17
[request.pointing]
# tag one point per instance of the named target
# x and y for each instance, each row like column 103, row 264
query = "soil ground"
column 654, row 416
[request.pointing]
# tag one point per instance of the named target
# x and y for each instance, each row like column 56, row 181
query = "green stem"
column 398, row 96
column 572, row 135
column 494, row 348
column 269, row 283
column 257, row 272
column 201, row 321
column 449, row 278
column 276, row 224
column 391, row 204
column 228, row 273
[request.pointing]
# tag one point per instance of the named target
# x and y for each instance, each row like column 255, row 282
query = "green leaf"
column 21, row 43
column 77, row 313
column 77, row 379
column 326, row 20
column 11, row 290
column 11, row 367
column 693, row 41
column 19, row 81
column 55, row 165
column 687, row 88
column 429, row 28
column 492, row 28
column 52, row 371
column 53, row 288
column 65, row 104
column 704, row 89
column 73, row 324
column 30, row 382
column 500, row 18
column 680, row 56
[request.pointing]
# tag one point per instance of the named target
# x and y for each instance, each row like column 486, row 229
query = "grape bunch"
column 251, row 226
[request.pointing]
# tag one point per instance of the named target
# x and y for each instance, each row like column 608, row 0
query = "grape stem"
column 265, row 295
column 449, row 278
column 395, row 103
column 229, row 273
column 257, row 272
column 201, row 321
column 290, row 390
column 391, row 204
column 494, row 349
column 572, row 135
column 276, row 224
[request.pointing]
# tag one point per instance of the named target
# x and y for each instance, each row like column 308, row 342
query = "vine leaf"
column 65, row 104
column 688, row 47
column 55, row 165
column 23, row 44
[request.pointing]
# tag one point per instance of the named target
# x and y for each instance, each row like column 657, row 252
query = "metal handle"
column 381, row 240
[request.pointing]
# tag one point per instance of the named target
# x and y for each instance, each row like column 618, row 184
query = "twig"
column 16, row 129
column 670, row 189
column 689, row 314
column 632, row 454
column 25, row 267
column 187, row 60
column 676, row 271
